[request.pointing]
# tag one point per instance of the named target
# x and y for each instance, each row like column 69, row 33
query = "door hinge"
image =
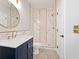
column 57, row 47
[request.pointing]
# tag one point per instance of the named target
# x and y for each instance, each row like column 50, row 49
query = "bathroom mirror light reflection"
column 9, row 15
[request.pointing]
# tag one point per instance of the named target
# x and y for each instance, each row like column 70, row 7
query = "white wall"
column 72, row 39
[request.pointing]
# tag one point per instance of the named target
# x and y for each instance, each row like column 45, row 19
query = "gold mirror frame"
column 11, row 26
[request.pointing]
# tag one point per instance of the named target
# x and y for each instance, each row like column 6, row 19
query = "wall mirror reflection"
column 9, row 15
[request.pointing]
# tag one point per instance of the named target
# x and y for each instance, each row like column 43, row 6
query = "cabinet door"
column 7, row 53
column 30, row 49
column 22, row 52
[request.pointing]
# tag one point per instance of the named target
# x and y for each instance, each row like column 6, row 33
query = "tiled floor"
column 46, row 54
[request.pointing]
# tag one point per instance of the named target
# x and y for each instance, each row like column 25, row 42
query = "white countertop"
column 14, row 43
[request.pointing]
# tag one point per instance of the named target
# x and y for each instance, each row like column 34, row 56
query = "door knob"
column 62, row 36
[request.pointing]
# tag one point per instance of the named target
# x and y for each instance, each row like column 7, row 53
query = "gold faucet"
column 13, row 35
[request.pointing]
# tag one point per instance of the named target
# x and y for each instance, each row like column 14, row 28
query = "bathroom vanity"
column 18, row 48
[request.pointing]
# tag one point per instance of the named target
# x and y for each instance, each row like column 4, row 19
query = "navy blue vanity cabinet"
column 24, row 51
column 21, row 51
column 7, row 53
column 30, row 49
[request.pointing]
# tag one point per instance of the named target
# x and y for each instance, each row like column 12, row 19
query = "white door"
column 60, row 26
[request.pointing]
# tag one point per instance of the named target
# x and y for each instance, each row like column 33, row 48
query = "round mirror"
column 9, row 15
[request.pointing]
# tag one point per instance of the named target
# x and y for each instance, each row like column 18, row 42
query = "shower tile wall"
column 41, row 19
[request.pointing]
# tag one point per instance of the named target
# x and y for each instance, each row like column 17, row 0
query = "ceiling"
column 41, row 3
